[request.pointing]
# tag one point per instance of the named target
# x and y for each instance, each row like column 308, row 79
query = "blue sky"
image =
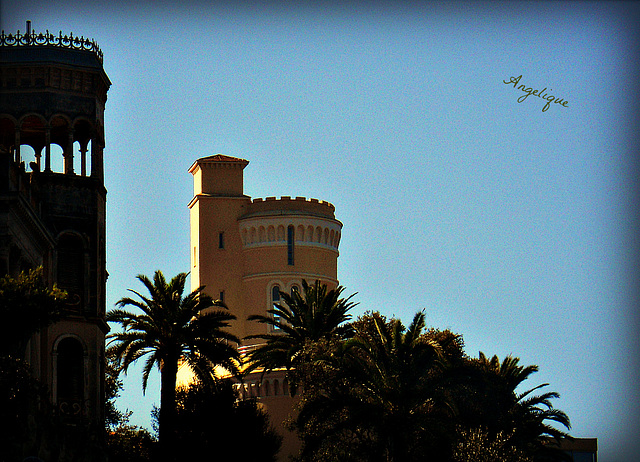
column 512, row 226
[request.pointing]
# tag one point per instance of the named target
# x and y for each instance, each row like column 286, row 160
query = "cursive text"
column 529, row 91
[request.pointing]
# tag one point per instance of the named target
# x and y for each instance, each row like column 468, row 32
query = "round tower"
column 285, row 241
column 246, row 252
column 53, row 91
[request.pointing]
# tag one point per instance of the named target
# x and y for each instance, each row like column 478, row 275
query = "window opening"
column 290, row 243
column 71, row 269
column 275, row 298
column 70, row 375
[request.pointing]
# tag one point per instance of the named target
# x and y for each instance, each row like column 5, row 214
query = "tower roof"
column 218, row 159
column 221, row 158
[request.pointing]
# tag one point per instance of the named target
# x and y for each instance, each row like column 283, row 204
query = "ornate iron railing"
column 48, row 39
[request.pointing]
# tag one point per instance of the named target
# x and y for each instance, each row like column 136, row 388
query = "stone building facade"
column 53, row 91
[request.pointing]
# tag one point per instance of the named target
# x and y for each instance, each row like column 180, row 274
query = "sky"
column 513, row 226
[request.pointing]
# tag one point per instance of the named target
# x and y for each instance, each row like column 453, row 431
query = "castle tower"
column 245, row 251
column 53, row 91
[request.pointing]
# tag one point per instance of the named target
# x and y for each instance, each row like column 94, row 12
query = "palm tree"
column 313, row 315
column 530, row 417
column 400, row 378
column 385, row 402
column 172, row 328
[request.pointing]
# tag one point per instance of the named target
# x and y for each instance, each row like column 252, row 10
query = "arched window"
column 291, row 235
column 57, row 158
column 70, row 267
column 267, row 391
column 29, row 157
column 70, row 376
column 275, row 294
column 275, row 298
column 276, row 387
column 285, row 387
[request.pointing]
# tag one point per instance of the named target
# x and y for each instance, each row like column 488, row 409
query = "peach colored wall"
column 218, row 178
column 215, row 268
column 310, row 261
column 254, row 257
column 255, row 241
column 279, row 407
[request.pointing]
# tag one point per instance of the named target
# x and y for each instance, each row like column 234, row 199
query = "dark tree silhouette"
column 494, row 402
column 385, row 402
column 213, row 424
column 27, row 305
column 170, row 329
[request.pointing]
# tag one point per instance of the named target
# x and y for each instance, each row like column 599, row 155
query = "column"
column 38, row 155
column 47, row 148
column 17, row 145
column 83, row 160
column 68, row 155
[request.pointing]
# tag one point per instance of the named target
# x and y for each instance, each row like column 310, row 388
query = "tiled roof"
column 221, row 158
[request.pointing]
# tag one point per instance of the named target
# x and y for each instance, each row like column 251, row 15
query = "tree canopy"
column 171, row 328
column 376, row 390
column 27, row 304
column 212, row 420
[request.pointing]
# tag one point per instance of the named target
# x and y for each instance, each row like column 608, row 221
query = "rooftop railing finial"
column 30, row 38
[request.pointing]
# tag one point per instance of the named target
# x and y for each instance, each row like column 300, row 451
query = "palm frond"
column 172, row 326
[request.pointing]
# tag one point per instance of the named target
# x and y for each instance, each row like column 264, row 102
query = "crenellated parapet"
column 286, row 205
column 274, row 222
